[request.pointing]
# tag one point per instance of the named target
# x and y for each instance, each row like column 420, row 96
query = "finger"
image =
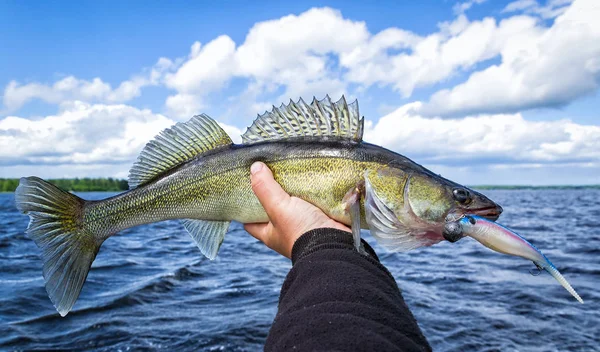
column 267, row 190
column 260, row 231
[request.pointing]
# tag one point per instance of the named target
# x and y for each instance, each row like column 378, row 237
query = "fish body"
column 216, row 187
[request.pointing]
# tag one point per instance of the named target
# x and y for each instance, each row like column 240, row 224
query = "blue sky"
column 481, row 91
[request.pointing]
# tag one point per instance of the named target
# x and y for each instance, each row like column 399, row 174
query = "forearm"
column 337, row 299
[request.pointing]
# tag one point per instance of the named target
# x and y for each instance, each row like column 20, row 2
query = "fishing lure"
column 504, row 240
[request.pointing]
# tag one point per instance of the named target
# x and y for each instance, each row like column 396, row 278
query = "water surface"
column 150, row 288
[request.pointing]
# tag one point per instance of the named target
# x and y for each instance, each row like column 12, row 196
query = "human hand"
column 290, row 217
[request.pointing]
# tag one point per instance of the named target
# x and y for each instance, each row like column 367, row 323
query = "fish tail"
column 56, row 226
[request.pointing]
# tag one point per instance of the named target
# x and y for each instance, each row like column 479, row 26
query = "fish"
column 503, row 240
column 193, row 171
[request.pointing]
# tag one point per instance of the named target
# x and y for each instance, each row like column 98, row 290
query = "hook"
column 537, row 271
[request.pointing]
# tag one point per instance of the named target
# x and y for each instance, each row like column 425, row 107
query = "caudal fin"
column 56, row 226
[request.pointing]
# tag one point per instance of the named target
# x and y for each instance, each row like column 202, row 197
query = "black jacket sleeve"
column 337, row 299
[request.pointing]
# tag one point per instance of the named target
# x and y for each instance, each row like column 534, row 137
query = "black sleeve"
column 337, row 299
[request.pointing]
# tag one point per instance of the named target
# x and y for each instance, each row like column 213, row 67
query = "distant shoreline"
column 518, row 187
column 74, row 184
column 8, row 185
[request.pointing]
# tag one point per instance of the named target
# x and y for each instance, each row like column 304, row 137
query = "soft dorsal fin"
column 319, row 119
column 176, row 145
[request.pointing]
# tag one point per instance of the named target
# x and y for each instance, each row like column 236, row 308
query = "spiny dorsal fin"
column 319, row 119
column 176, row 145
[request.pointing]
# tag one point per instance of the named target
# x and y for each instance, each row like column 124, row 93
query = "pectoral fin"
column 385, row 226
column 352, row 201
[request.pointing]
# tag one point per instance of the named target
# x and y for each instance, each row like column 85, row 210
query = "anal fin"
column 208, row 235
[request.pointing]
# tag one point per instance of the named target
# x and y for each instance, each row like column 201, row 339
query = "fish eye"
column 461, row 195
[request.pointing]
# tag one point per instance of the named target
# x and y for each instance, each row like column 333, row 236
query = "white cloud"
column 540, row 67
column 485, row 139
column 298, row 52
column 207, row 69
column 80, row 134
column 422, row 61
column 306, row 55
column 86, row 136
column 71, row 88
column 83, row 134
column 184, row 105
column 461, row 7
column 520, row 5
column 552, row 9
column 16, row 95
column 294, row 52
column 320, row 52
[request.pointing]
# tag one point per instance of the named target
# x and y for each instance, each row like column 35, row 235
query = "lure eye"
column 461, row 195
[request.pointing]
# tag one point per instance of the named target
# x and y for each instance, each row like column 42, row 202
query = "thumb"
column 260, row 231
column 270, row 194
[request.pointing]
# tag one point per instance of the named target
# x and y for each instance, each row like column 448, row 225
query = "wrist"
column 327, row 238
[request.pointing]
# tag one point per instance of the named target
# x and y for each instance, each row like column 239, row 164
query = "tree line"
column 519, row 187
column 74, row 184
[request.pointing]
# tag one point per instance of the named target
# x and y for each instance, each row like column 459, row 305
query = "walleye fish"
column 193, row 172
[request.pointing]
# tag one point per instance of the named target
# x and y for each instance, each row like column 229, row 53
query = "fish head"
column 468, row 201
column 420, row 204
column 436, row 199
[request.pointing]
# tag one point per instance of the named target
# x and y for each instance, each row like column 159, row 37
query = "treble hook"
column 537, row 271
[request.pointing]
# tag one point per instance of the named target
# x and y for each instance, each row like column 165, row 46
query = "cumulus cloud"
column 541, row 67
column 183, row 105
column 207, row 68
column 485, row 139
column 320, row 51
column 71, row 88
column 421, row 61
column 295, row 52
column 83, row 134
column 299, row 52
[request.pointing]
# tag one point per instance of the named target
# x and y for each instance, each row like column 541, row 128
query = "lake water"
column 150, row 288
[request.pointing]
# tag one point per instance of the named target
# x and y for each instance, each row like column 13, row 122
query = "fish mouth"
column 491, row 213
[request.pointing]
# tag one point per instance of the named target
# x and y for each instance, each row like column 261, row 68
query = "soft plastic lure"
column 503, row 240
